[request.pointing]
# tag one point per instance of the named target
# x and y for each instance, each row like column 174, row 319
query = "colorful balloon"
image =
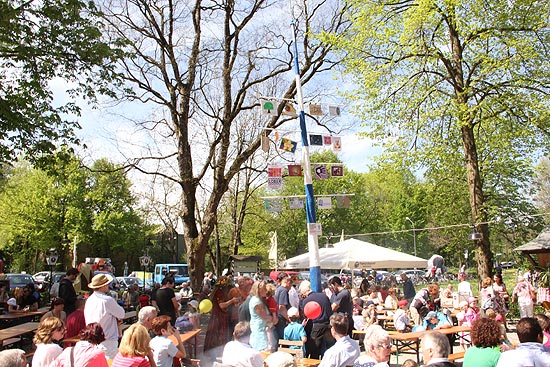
column 205, row 306
column 312, row 310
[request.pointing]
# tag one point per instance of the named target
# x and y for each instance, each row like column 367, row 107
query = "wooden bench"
column 459, row 355
column 285, row 346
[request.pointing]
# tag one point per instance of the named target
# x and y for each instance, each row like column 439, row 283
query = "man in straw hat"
column 103, row 309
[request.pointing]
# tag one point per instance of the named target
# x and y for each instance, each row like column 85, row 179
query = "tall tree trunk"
column 477, row 202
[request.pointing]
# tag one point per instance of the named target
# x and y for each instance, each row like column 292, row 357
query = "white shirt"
column 103, row 309
column 45, row 354
column 163, row 351
column 293, row 297
column 343, row 353
column 239, row 354
column 464, row 289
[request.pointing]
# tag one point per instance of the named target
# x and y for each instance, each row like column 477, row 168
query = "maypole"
column 312, row 228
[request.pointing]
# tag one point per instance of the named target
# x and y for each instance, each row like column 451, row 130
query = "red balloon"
column 312, row 310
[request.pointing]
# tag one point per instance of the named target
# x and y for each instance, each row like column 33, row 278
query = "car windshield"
column 181, row 271
column 20, row 279
column 137, row 281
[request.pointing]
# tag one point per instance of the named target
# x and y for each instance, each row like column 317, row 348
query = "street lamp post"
column 414, row 234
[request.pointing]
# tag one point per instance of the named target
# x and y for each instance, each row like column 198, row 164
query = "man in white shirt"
column 464, row 288
column 346, row 350
column 103, row 309
column 238, row 353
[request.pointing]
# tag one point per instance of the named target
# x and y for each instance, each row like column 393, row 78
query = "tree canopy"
column 458, row 89
column 42, row 209
column 42, row 42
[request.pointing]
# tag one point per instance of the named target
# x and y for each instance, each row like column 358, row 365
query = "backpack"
column 244, row 310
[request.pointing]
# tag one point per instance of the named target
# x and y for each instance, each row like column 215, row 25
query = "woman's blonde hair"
column 270, row 290
column 256, row 287
column 45, row 330
column 135, row 342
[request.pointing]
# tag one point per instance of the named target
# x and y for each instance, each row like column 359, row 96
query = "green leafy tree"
column 41, row 41
column 461, row 82
column 68, row 203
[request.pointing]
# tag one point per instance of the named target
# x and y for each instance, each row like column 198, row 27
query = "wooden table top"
column 18, row 330
column 19, row 315
column 130, row 315
column 418, row 334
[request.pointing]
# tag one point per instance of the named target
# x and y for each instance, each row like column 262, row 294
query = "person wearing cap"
column 436, row 320
column 102, row 308
column 370, row 316
column 186, row 294
column 401, row 320
column 193, row 313
column 67, row 291
column 295, row 331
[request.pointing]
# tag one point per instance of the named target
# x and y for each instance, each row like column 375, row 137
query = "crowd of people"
column 248, row 318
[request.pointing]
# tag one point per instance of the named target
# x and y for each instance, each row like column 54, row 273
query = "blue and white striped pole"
column 312, row 240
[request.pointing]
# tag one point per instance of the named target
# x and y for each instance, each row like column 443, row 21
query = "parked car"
column 305, row 276
column 414, row 274
column 18, row 280
column 40, row 276
column 45, row 284
column 125, row 282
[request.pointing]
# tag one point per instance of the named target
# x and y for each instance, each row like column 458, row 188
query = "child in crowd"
column 369, row 315
column 272, row 306
column 506, row 344
column 472, row 313
column 193, row 314
column 401, row 320
column 295, row 331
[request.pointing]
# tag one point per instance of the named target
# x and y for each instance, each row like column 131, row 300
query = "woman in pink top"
column 134, row 347
column 85, row 353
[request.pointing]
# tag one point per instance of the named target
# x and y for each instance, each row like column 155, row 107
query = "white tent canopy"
column 355, row 254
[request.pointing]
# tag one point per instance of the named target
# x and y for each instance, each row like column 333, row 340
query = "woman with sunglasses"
column 50, row 330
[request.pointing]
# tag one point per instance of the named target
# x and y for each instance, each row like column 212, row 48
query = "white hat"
column 12, row 302
column 293, row 311
column 194, row 303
